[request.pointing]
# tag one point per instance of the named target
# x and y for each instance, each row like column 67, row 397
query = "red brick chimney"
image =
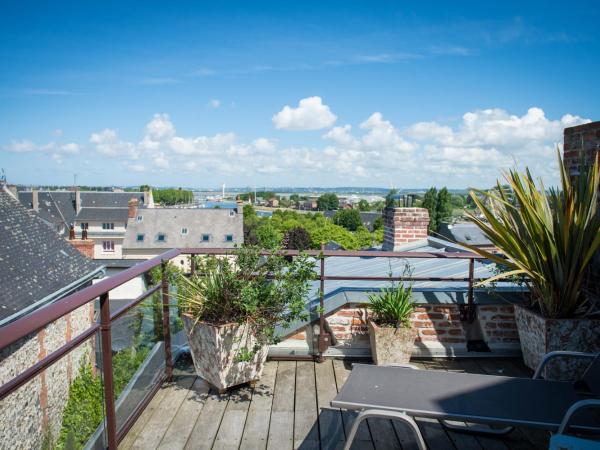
column 133, row 207
column 84, row 245
column 581, row 142
column 404, row 225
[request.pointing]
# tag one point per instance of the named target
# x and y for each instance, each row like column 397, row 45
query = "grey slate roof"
column 35, row 262
column 102, row 214
column 464, row 233
column 57, row 208
column 217, row 223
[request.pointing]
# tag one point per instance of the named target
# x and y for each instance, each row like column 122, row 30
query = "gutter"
column 57, row 295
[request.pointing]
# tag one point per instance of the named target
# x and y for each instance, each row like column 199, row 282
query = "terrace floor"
column 289, row 408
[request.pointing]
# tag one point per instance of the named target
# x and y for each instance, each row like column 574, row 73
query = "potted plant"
column 232, row 306
column 390, row 332
column 548, row 237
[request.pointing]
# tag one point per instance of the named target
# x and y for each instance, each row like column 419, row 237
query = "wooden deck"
column 289, row 408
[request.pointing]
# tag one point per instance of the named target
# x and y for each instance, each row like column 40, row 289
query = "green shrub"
column 392, row 306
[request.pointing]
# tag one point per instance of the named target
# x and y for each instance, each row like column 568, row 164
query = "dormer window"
column 108, row 226
column 161, row 237
column 140, row 238
column 184, row 231
column 139, row 219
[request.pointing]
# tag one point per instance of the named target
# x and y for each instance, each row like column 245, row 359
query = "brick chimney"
column 582, row 141
column 148, row 199
column 35, row 203
column 133, row 207
column 404, row 225
column 84, row 245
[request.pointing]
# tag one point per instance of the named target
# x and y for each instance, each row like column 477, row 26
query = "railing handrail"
column 20, row 328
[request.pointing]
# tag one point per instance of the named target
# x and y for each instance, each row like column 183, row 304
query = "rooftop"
column 289, row 408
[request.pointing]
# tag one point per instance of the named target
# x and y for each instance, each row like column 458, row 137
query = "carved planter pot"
column 216, row 351
column 539, row 335
column 391, row 345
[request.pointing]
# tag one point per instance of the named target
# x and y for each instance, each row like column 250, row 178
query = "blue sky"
column 377, row 93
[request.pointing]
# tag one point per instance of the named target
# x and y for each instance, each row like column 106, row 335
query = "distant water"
column 223, row 205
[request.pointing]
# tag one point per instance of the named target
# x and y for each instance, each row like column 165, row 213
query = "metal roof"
column 115, row 214
column 464, row 233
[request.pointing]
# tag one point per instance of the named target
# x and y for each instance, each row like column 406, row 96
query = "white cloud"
column 311, row 114
column 470, row 152
column 214, row 103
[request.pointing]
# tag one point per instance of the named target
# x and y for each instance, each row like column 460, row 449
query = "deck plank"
column 306, row 416
column 182, row 425
column 232, row 425
column 157, row 425
column 331, row 425
column 256, row 430
column 281, row 429
column 207, row 424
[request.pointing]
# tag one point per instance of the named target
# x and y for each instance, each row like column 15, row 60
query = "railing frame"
column 34, row 322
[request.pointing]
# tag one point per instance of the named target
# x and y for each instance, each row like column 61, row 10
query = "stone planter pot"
column 216, row 349
column 539, row 335
column 391, row 345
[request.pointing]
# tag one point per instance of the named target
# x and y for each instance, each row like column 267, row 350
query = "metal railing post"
column 322, row 338
column 107, row 372
column 471, row 308
column 166, row 321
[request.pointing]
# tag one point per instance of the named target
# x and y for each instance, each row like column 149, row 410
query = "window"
column 108, row 246
column 231, row 213
column 229, row 238
column 108, row 226
column 84, row 225
column 184, row 231
column 139, row 218
column 140, row 238
column 205, row 237
column 161, row 237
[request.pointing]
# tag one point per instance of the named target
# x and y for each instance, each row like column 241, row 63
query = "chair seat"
column 461, row 396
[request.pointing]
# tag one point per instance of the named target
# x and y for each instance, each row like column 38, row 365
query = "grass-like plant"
column 393, row 306
column 547, row 235
column 262, row 291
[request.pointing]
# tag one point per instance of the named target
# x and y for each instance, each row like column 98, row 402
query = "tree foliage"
column 169, row 197
column 328, row 202
column 348, row 218
column 296, row 238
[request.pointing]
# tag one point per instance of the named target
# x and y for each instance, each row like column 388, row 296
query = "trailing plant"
column 263, row 292
column 393, row 306
column 548, row 236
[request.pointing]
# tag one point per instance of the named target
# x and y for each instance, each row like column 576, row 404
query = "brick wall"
column 404, row 225
column 438, row 326
column 584, row 141
column 85, row 246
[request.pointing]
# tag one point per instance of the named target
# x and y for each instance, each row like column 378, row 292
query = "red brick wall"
column 85, row 247
column 404, row 225
column 435, row 324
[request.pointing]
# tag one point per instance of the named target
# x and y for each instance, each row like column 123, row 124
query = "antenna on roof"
column 2, row 176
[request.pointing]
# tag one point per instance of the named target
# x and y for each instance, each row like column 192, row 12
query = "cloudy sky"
column 292, row 93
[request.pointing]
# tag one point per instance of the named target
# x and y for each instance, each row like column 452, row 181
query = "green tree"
column 430, row 203
column 328, row 202
column 378, row 224
column 390, row 201
column 443, row 207
column 363, row 205
column 295, row 199
column 348, row 218
column 296, row 238
column 458, row 201
column 268, row 236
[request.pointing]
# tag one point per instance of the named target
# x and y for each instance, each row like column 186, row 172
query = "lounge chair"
column 399, row 393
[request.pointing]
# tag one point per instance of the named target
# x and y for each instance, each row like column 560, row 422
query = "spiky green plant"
column 392, row 306
column 548, row 236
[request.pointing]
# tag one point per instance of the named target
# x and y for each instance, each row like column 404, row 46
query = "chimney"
column 133, row 206
column 71, row 232
column 35, row 204
column 403, row 226
column 77, row 201
column 84, row 246
column 148, row 199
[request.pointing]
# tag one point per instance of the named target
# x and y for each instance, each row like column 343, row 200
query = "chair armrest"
column 549, row 356
column 404, row 366
column 581, row 404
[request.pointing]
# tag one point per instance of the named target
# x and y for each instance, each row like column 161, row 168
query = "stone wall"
column 439, row 329
column 34, row 411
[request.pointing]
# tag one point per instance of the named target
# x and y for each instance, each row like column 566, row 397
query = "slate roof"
column 217, row 223
column 35, row 262
column 464, row 233
column 58, row 207
column 102, row 214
